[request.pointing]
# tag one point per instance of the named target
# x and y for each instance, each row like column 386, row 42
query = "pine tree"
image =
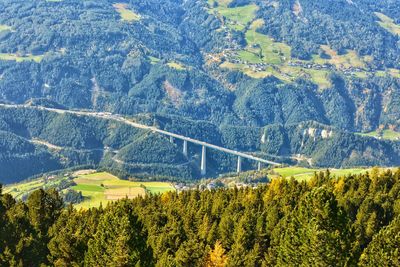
column 316, row 233
column 384, row 249
column 119, row 240
column 69, row 238
column 217, row 257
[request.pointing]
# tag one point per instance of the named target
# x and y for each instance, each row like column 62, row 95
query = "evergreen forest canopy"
column 314, row 76
column 345, row 221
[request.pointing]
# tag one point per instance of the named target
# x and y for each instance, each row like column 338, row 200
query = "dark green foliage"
column 384, row 248
column 327, row 222
column 106, row 65
column 119, row 239
column 316, row 232
column 341, row 24
column 25, row 228
column 94, row 60
column 72, row 196
column 44, row 141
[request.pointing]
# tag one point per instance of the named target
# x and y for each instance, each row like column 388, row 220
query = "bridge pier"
column 203, row 161
column 185, row 148
column 171, row 139
column 259, row 166
column 239, row 164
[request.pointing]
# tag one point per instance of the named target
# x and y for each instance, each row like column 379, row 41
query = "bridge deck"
column 146, row 127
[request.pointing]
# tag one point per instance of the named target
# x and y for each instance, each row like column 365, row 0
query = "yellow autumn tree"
column 217, row 257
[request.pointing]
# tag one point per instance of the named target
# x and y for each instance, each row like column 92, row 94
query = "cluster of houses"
column 310, row 65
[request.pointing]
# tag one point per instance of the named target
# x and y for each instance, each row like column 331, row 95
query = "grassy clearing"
column 18, row 190
column 301, row 174
column 4, row 28
column 125, row 13
column 18, row 58
column 262, row 49
column 153, row 60
column 293, row 171
column 267, row 50
column 385, row 134
column 97, row 188
column 103, row 187
column 177, row 66
column 236, row 18
column 319, row 77
column 88, row 187
column 220, row 3
column 388, row 23
column 345, row 61
column 395, row 73
column 361, row 74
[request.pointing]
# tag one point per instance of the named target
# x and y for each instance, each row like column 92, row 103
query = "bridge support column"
column 259, row 166
column 203, row 160
column 185, row 148
column 239, row 164
column 171, row 139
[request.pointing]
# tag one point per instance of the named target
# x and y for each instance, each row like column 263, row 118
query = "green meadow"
column 102, row 187
column 388, row 23
column 262, row 49
column 97, row 188
column 385, row 134
column 18, row 58
column 300, row 173
column 4, row 28
column 236, row 18
column 176, row 65
column 125, row 13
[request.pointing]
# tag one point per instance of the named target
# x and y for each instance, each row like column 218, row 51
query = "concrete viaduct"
column 172, row 136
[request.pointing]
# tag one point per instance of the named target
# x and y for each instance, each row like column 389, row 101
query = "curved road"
column 109, row 116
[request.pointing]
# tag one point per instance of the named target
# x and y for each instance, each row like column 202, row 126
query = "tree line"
column 327, row 221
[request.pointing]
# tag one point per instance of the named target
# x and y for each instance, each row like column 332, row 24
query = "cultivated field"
column 386, row 134
column 393, row 72
column 176, row 65
column 96, row 187
column 388, row 23
column 236, row 18
column 18, row 58
column 103, row 187
column 263, row 56
column 125, row 13
column 300, row 173
column 18, row 190
column 4, row 27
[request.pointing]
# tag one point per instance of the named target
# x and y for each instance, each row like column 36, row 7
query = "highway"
column 109, row 116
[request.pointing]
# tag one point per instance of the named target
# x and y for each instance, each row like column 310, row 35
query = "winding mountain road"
column 119, row 118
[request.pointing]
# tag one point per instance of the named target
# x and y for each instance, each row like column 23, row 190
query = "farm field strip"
column 264, row 57
column 96, row 188
column 103, row 187
column 385, row 134
column 17, row 58
column 300, row 173
column 125, row 13
column 4, row 27
column 388, row 23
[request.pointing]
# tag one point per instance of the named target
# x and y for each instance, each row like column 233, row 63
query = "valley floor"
column 97, row 188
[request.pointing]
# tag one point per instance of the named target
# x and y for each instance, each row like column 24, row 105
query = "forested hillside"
column 44, row 141
column 344, row 221
column 314, row 76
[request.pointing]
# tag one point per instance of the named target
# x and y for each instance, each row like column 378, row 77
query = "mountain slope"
column 239, row 63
